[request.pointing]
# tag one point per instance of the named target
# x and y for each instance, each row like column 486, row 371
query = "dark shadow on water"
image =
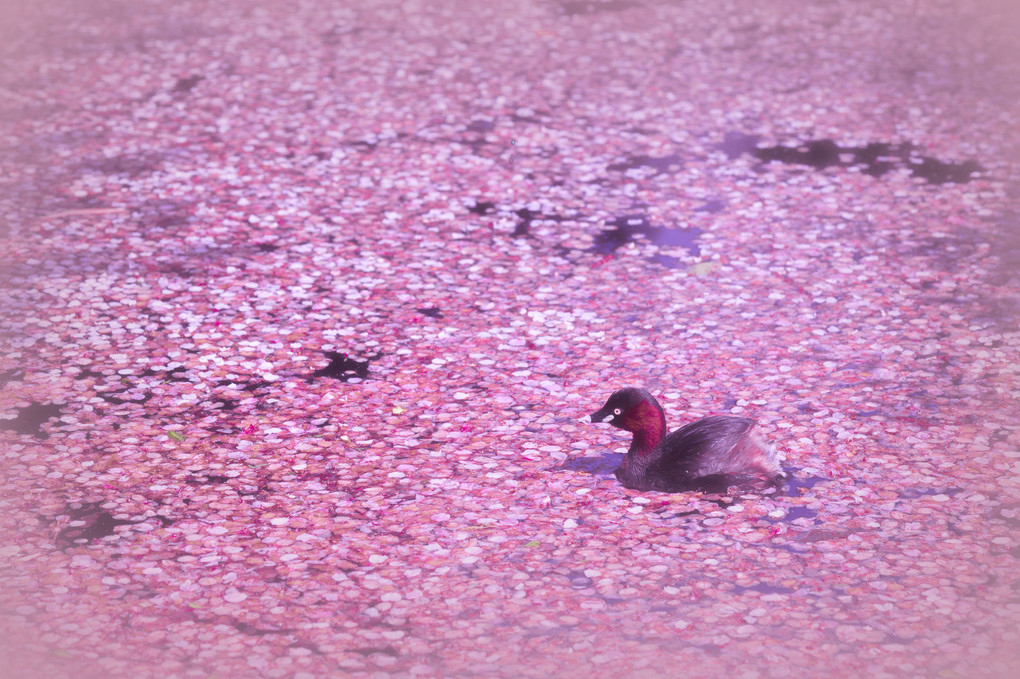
column 31, row 418
column 342, row 367
column 187, row 84
column 630, row 228
column 874, row 159
column 712, row 206
column 797, row 485
column 736, row 144
column 431, row 312
column 792, row 514
column 615, row 234
column 626, row 229
column 660, row 165
column 762, row 587
column 791, row 547
column 8, row 376
column 578, row 580
column 527, row 216
column 603, row 465
column 482, row 207
column 94, row 523
column 585, row 7
column 913, row 493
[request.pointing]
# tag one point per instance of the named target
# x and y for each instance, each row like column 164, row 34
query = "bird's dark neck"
column 648, row 423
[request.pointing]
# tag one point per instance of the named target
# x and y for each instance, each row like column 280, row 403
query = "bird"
column 708, row 455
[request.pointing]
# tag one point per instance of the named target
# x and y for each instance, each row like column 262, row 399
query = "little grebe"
column 709, row 455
